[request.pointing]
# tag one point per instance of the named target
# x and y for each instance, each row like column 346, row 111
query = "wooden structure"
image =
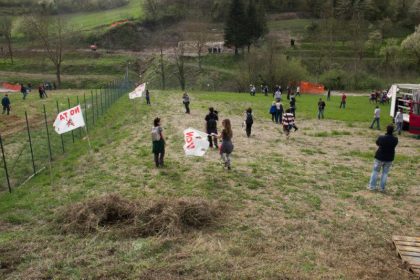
column 408, row 249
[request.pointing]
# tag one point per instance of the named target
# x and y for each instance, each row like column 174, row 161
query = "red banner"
column 11, row 87
column 414, row 125
column 307, row 87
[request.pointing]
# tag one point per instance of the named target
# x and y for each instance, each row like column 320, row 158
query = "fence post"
column 86, row 113
column 30, row 142
column 102, row 105
column 61, row 135
column 5, row 165
column 48, row 133
column 93, row 107
column 80, row 129
column 96, row 100
column 72, row 134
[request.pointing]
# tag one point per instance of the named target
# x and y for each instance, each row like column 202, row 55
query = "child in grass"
column 288, row 122
column 227, row 147
column 158, row 143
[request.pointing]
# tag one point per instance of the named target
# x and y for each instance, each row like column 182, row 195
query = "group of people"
column 211, row 119
column 25, row 90
column 379, row 96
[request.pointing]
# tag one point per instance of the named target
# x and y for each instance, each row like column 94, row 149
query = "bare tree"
column 50, row 32
column 6, row 25
column 179, row 62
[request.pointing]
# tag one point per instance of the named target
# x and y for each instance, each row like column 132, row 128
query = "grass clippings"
column 138, row 217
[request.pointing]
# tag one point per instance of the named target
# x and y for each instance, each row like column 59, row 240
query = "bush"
column 334, row 79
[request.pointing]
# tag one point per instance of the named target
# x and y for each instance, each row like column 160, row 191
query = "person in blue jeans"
column 383, row 158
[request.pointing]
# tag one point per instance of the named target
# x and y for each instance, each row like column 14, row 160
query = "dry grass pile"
column 140, row 217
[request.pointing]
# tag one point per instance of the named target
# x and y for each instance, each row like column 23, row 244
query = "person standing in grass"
column 211, row 127
column 273, row 111
column 249, row 121
column 399, row 120
column 329, row 94
column 343, row 101
column 147, row 97
column 186, row 101
column 293, row 106
column 227, row 147
column 279, row 112
column 288, row 122
column 5, row 102
column 376, row 117
column 383, row 158
column 24, row 91
column 298, row 90
column 321, row 108
column 158, row 142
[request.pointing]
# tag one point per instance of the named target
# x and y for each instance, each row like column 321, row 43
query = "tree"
column 179, row 62
column 6, row 26
column 50, row 32
column 257, row 23
column 236, row 26
column 411, row 44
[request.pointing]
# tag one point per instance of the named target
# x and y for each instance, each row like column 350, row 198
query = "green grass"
column 91, row 20
column 283, row 197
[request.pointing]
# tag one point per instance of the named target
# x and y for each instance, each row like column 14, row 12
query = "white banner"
column 69, row 120
column 138, row 92
column 196, row 143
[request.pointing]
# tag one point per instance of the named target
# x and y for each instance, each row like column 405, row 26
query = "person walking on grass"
column 298, row 91
column 321, row 108
column 158, row 142
column 383, row 158
column 288, row 122
column 293, row 106
column 5, row 102
column 227, row 147
column 147, row 97
column 249, row 121
column 376, row 117
column 273, row 111
column 24, row 91
column 211, row 127
column 329, row 94
column 279, row 112
column 343, row 101
column 399, row 120
column 186, row 101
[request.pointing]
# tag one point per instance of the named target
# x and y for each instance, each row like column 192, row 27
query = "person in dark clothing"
column 211, row 127
column 147, row 97
column 266, row 90
column 6, row 104
column 321, row 108
column 293, row 107
column 24, row 91
column 41, row 91
column 186, row 101
column 383, row 158
column 272, row 111
column 158, row 143
column 343, row 101
column 249, row 120
column 329, row 94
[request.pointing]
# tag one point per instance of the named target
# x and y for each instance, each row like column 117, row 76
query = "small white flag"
column 69, row 120
column 196, row 143
column 138, row 92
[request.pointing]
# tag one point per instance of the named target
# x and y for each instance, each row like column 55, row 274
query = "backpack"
column 156, row 134
column 249, row 119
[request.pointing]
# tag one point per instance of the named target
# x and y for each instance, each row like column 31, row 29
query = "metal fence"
column 33, row 145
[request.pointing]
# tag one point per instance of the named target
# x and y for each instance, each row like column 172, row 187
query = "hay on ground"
column 139, row 218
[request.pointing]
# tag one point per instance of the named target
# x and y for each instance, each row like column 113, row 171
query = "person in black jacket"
column 383, row 158
column 6, row 104
column 211, row 127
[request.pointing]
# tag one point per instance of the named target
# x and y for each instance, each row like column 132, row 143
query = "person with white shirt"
column 376, row 117
column 399, row 119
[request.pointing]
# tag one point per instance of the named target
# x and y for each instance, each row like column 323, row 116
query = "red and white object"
column 196, row 143
column 138, row 92
column 68, row 120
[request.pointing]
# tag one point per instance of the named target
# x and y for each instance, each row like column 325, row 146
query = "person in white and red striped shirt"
column 288, row 122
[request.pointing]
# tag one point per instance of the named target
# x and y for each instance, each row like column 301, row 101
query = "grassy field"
column 92, row 20
column 294, row 209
